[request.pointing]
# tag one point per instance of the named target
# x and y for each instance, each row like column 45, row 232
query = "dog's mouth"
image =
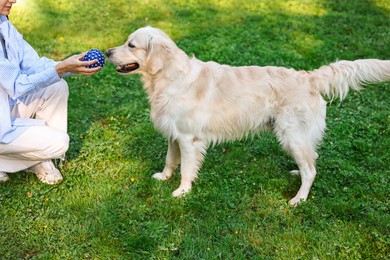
column 127, row 68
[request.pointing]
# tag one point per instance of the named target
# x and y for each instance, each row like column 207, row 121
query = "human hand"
column 75, row 64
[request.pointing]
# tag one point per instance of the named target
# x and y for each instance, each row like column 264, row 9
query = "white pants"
column 39, row 143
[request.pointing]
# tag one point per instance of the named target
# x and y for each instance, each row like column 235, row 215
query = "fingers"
column 75, row 64
column 88, row 71
column 93, row 71
column 78, row 60
column 79, row 56
column 88, row 63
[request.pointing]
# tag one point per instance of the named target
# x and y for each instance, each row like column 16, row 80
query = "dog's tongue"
column 130, row 66
column 127, row 66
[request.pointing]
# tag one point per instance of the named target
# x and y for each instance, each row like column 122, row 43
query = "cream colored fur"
column 195, row 104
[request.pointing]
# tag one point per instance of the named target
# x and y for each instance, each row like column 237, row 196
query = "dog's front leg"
column 171, row 161
column 192, row 152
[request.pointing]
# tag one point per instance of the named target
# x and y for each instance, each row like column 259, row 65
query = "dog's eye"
column 131, row 45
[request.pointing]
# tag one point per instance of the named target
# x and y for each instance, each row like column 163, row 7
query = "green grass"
column 109, row 207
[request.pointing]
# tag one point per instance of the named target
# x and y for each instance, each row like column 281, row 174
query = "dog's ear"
column 158, row 53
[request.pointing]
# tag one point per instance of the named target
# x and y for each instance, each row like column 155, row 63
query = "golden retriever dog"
column 195, row 104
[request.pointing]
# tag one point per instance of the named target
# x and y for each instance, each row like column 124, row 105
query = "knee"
column 57, row 147
column 61, row 89
column 61, row 145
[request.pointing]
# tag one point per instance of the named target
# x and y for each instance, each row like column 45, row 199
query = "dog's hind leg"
column 303, row 156
column 299, row 129
column 192, row 151
column 171, row 161
column 301, row 145
column 300, row 141
column 297, row 142
column 296, row 172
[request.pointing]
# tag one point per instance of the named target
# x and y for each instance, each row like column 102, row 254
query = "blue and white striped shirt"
column 21, row 72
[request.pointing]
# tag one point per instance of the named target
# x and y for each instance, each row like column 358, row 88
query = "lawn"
column 109, row 207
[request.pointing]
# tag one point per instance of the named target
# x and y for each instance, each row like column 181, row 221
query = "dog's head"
column 147, row 50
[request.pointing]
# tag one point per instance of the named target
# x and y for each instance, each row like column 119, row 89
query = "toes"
column 295, row 172
column 180, row 192
column 295, row 201
column 160, row 176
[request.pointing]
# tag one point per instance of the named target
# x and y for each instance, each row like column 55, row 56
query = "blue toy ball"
column 95, row 54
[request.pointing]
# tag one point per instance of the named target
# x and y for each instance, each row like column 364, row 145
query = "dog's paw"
column 160, row 176
column 295, row 172
column 180, row 192
column 295, row 201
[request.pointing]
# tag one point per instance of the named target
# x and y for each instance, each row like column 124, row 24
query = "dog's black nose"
column 108, row 52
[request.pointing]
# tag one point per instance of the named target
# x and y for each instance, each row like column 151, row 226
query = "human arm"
column 17, row 83
column 25, row 72
column 71, row 65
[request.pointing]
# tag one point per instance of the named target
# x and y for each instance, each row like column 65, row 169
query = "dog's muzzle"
column 127, row 68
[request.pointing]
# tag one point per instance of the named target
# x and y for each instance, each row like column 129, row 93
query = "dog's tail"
column 334, row 80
